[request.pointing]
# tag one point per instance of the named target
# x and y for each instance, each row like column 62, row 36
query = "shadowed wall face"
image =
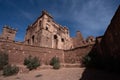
column 110, row 43
column 108, row 49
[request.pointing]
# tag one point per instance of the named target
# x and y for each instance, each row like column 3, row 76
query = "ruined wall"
column 79, row 41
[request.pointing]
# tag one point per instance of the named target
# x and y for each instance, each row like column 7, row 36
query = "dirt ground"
column 64, row 74
column 48, row 74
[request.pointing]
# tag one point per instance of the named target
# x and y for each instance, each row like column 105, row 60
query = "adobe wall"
column 45, row 32
column 106, row 52
column 8, row 33
column 17, row 52
column 110, row 43
column 76, row 55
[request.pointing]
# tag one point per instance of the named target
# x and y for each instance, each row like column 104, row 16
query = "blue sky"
column 90, row 17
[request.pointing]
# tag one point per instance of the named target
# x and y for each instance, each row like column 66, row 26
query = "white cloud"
column 91, row 17
column 94, row 16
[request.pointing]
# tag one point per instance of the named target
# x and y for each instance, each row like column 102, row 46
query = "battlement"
column 10, row 28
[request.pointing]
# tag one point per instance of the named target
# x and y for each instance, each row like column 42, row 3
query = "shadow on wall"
column 94, row 74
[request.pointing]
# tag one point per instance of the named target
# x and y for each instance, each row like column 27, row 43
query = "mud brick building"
column 45, row 39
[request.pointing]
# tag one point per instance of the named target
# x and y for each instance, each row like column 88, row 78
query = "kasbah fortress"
column 45, row 39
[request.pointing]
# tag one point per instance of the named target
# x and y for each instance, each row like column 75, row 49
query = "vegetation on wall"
column 92, row 60
column 106, row 62
column 32, row 62
column 86, row 60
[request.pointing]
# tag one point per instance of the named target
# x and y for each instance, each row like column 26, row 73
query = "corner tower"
column 8, row 33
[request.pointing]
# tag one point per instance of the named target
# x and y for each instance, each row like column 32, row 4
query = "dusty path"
column 65, row 74
column 49, row 74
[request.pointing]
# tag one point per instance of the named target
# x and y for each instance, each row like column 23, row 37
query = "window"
column 55, row 36
column 48, row 20
column 62, row 40
column 55, row 41
column 46, row 28
column 39, row 23
column 59, row 28
column 33, row 39
column 7, row 37
column 91, row 39
column 28, row 41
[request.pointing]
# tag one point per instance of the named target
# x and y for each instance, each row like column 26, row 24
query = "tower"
column 45, row 32
column 79, row 36
column 8, row 33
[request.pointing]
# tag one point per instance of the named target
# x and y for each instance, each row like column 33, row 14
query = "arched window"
column 28, row 41
column 55, row 36
column 55, row 41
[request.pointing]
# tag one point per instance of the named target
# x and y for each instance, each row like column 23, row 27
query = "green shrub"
column 54, row 60
column 9, row 70
column 27, row 60
column 56, row 66
column 32, row 62
column 86, row 60
column 55, row 63
column 3, row 59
